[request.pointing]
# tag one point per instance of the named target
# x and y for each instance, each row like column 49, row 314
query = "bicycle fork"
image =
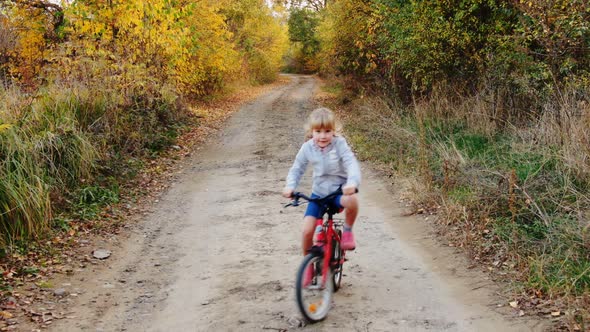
column 327, row 258
column 328, row 251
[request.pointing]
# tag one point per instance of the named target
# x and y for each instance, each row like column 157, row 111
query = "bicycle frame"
column 314, row 296
column 329, row 231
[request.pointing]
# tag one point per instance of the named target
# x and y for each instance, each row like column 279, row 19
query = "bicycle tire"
column 337, row 254
column 313, row 310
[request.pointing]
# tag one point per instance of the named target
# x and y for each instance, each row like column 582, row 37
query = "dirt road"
column 219, row 253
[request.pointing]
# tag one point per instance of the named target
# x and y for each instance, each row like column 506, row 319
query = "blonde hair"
column 320, row 118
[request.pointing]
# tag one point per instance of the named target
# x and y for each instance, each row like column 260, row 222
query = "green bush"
column 89, row 200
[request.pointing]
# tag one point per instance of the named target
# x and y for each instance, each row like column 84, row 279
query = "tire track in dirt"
column 218, row 252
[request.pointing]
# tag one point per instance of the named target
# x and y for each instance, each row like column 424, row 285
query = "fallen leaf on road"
column 5, row 314
column 514, row 304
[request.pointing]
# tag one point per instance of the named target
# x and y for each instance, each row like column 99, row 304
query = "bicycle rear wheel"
column 313, row 298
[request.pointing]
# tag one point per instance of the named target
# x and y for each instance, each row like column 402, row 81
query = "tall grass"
column 55, row 141
column 42, row 152
column 61, row 148
column 24, row 196
column 126, row 108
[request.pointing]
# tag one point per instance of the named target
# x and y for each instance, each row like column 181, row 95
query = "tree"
column 53, row 11
column 259, row 36
column 303, row 23
column 8, row 38
column 23, row 55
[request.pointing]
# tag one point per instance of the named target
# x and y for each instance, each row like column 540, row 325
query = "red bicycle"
column 315, row 298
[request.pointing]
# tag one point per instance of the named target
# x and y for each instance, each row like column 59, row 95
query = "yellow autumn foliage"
column 197, row 46
column 30, row 47
column 261, row 37
column 186, row 43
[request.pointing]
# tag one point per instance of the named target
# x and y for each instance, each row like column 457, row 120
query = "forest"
column 484, row 103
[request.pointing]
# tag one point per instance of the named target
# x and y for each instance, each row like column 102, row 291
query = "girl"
column 334, row 165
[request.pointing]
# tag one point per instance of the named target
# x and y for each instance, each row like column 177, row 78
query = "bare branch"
column 317, row 5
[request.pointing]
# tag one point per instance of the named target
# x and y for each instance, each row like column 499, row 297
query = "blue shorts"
column 315, row 210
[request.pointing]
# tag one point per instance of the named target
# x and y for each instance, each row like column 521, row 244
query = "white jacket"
column 333, row 166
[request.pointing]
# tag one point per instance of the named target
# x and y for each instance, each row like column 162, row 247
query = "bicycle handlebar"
column 297, row 195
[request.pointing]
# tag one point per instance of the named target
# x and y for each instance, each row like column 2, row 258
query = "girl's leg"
column 351, row 206
column 308, row 229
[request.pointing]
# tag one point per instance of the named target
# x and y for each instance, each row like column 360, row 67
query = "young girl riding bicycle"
column 334, row 165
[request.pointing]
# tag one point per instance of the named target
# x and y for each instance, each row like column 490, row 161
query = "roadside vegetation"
column 485, row 104
column 91, row 92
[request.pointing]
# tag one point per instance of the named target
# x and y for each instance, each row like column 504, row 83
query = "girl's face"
column 322, row 136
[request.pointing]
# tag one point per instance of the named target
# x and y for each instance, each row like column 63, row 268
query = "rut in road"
column 219, row 253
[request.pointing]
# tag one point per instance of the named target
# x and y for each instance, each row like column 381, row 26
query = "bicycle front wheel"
column 312, row 292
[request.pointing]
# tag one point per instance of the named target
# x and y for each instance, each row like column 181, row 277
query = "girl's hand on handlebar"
column 287, row 193
column 348, row 190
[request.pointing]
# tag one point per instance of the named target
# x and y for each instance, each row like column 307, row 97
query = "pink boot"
column 347, row 242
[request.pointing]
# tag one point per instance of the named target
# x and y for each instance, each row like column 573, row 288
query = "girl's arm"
column 296, row 171
column 353, row 170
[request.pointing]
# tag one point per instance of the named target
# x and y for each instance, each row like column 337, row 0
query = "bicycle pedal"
column 314, row 287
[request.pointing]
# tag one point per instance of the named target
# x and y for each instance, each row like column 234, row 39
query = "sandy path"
column 219, row 253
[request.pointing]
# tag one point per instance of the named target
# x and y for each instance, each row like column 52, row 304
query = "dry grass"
column 567, row 126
